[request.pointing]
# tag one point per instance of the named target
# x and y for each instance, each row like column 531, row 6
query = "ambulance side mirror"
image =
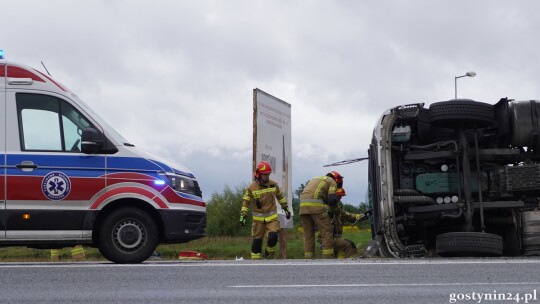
column 91, row 141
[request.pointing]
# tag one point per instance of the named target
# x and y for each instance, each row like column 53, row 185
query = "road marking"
column 389, row 285
column 250, row 263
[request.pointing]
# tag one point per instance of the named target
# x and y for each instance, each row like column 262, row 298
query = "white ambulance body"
column 68, row 178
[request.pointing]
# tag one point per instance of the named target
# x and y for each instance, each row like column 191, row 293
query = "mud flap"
column 372, row 248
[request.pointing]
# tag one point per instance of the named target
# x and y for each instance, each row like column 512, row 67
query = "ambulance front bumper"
column 182, row 226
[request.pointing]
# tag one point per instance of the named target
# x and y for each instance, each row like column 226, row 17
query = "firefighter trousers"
column 344, row 248
column 258, row 232
column 323, row 224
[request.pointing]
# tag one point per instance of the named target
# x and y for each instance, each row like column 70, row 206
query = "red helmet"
column 262, row 168
column 340, row 192
column 337, row 177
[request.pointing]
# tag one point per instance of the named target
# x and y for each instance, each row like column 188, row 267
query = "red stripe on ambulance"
column 63, row 88
column 17, row 72
column 129, row 191
column 174, row 198
column 29, row 188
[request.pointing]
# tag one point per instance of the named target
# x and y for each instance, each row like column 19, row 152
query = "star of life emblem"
column 56, row 186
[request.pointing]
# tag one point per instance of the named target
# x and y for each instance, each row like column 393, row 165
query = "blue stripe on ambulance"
column 189, row 196
column 63, row 161
column 42, row 171
column 114, row 164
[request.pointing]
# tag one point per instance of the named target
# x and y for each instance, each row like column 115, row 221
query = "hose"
column 437, row 144
column 406, row 192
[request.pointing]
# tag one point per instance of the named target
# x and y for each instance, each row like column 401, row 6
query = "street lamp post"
column 468, row 74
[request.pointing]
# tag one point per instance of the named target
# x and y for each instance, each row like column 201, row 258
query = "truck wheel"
column 469, row 112
column 128, row 235
column 469, row 244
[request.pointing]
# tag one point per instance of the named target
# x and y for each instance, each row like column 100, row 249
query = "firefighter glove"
column 287, row 213
column 243, row 220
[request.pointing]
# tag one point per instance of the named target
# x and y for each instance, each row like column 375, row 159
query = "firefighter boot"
column 256, row 246
column 56, row 254
column 271, row 246
column 269, row 253
column 328, row 253
column 77, row 253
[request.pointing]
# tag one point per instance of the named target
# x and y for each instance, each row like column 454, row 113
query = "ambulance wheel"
column 128, row 236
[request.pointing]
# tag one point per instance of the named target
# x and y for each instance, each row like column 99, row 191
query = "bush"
column 223, row 213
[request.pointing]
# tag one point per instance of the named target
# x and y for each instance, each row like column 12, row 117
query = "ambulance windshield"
column 110, row 131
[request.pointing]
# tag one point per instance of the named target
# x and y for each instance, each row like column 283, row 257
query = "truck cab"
column 458, row 178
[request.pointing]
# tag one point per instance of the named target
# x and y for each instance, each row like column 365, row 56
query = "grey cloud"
column 176, row 77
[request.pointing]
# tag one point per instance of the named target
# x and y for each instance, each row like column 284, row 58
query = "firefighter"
column 343, row 248
column 262, row 193
column 319, row 193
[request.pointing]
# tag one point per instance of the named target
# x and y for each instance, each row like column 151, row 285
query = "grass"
column 216, row 248
column 226, row 248
column 24, row 254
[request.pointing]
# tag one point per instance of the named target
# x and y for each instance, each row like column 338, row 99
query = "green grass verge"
column 216, row 248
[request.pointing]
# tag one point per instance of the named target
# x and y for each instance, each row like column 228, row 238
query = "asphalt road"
column 287, row 281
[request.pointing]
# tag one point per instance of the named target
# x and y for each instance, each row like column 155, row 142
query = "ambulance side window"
column 47, row 123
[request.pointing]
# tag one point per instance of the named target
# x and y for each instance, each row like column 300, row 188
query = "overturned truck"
column 459, row 178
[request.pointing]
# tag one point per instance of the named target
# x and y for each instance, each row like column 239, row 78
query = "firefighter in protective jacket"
column 262, row 195
column 319, row 193
column 343, row 248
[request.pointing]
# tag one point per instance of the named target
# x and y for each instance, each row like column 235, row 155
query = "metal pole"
column 466, row 178
column 479, row 181
column 469, row 74
column 455, row 87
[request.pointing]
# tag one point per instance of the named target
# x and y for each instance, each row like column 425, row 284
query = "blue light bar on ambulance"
column 1, row 54
column 159, row 182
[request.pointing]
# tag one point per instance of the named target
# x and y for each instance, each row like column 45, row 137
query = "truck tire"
column 473, row 114
column 469, row 244
column 128, row 236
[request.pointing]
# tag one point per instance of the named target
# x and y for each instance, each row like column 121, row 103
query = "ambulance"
column 68, row 178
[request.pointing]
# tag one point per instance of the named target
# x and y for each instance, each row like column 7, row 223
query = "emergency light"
column 1, row 54
column 159, row 182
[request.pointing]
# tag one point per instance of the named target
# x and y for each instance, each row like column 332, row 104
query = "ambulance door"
column 50, row 182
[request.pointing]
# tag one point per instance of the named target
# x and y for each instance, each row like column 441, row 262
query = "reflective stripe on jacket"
column 265, row 217
column 312, row 203
column 262, row 198
column 316, row 194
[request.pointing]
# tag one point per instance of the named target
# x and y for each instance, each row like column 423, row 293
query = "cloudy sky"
column 176, row 78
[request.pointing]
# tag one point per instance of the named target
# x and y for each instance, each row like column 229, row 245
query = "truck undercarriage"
column 460, row 178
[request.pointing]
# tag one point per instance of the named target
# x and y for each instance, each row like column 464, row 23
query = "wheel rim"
column 129, row 235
